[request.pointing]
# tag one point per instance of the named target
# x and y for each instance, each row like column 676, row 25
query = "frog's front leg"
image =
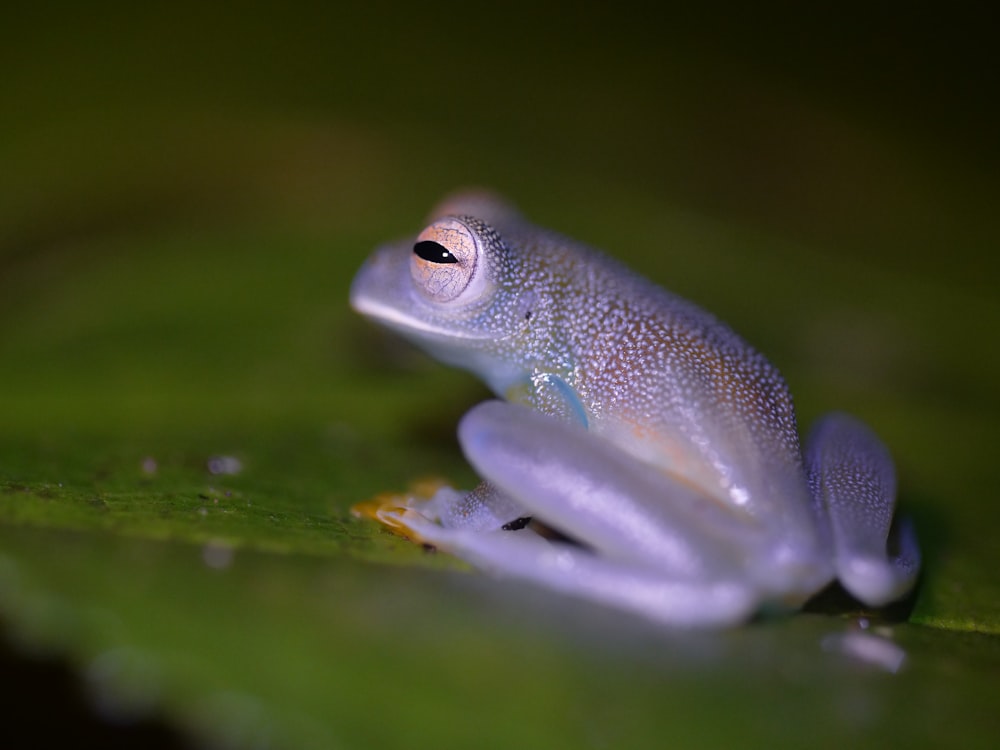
column 486, row 508
column 852, row 476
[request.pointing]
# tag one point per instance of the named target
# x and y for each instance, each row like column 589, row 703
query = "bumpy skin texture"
column 674, row 441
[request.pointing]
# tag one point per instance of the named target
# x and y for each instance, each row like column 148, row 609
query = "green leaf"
column 188, row 409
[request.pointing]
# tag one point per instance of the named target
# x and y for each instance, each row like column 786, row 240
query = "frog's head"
column 454, row 291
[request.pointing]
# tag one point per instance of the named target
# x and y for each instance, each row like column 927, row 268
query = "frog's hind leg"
column 585, row 487
column 853, row 477
column 661, row 559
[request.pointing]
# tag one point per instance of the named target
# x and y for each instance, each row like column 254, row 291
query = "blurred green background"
column 188, row 408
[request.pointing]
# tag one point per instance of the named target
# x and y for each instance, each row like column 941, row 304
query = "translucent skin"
column 641, row 427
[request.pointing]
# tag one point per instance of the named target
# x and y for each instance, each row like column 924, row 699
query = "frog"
column 640, row 454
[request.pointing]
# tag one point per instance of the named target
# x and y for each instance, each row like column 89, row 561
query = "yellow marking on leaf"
column 392, row 508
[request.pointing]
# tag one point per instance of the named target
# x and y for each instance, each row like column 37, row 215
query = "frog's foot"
column 405, row 513
column 573, row 570
column 853, row 475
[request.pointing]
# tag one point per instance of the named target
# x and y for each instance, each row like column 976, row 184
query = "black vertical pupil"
column 434, row 252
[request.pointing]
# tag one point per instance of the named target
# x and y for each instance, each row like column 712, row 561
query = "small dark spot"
column 517, row 523
column 527, row 315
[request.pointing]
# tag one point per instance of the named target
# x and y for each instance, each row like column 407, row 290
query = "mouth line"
column 392, row 317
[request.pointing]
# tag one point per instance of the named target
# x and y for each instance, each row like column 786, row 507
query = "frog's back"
column 670, row 382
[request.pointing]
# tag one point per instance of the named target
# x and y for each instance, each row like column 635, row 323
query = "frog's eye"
column 446, row 264
column 433, row 252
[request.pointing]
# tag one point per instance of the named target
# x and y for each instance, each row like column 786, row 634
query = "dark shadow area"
column 932, row 529
column 44, row 705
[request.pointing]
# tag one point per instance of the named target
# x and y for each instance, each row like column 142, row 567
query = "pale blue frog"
column 645, row 456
